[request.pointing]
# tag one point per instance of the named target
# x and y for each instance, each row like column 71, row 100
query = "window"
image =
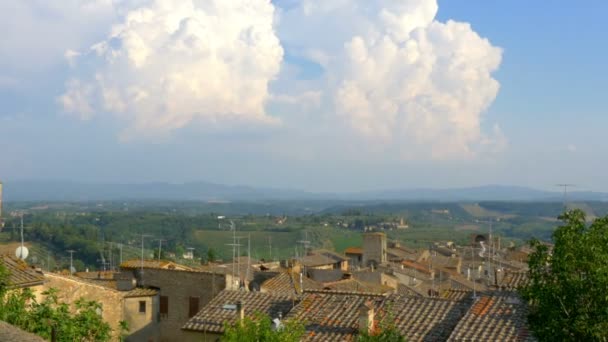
column 142, row 306
column 193, row 307
column 164, row 306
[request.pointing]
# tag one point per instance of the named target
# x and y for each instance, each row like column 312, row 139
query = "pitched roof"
column 12, row 333
column 355, row 285
column 353, row 250
column 513, row 280
column 332, row 316
column 20, row 274
column 109, row 284
column 157, row 264
column 288, row 284
column 494, row 318
column 221, row 310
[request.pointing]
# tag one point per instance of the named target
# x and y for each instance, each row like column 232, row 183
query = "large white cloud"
column 168, row 63
column 399, row 77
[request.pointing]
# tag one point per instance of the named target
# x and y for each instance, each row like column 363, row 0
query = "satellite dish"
column 22, row 252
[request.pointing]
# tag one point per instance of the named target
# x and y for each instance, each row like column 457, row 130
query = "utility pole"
column 566, row 186
column 71, row 251
column 248, row 255
column 270, row 248
column 120, row 248
column 142, row 255
column 160, row 245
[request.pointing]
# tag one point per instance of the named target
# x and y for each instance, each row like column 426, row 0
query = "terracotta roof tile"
column 353, row 250
column 495, row 317
column 20, row 274
column 220, row 311
column 288, row 284
column 162, row 264
column 334, row 316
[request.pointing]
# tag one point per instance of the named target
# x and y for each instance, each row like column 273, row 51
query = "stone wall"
column 178, row 287
column 142, row 326
column 115, row 308
column 70, row 290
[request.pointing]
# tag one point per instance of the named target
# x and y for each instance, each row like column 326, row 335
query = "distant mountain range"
column 203, row 191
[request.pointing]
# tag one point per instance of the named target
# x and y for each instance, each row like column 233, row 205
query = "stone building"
column 229, row 307
column 137, row 306
column 182, row 292
column 374, row 249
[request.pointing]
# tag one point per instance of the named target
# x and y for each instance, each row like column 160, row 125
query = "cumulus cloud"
column 167, row 64
column 399, row 77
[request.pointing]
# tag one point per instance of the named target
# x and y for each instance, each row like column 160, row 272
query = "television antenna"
column 72, row 269
column 566, row 186
column 160, row 246
column 22, row 252
column 143, row 236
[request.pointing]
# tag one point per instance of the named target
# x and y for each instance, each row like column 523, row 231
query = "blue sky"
column 548, row 111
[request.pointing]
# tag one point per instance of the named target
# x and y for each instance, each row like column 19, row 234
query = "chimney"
column 240, row 309
column 347, row 276
column 366, row 318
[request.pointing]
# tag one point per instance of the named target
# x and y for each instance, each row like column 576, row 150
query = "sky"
column 332, row 95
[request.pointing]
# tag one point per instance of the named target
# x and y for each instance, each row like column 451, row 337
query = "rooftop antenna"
column 71, row 251
column 160, row 246
column 305, row 243
column 120, row 248
column 566, row 186
column 270, row 248
column 143, row 236
column 22, row 252
column 248, row 255
column 234, row 245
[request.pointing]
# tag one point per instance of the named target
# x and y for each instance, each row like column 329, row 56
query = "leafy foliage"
column 50, row 316
column 385, row 331
column 569, row 284
column 260, row 329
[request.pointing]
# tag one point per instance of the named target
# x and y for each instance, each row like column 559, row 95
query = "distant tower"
column 374, row 248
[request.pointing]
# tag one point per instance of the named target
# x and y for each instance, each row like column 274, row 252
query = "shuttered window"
column 193, row 307
column 164, row 306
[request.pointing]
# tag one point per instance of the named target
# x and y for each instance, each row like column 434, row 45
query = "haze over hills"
column 204, row 191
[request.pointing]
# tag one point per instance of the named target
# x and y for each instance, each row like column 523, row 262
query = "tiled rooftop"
column 354, row 250
column 20, row 274
column 355, row 285
column 333, row 316
column 11, row 333
column 109, row 284
column 288, row 284
column 513, row 280
column 162, row 264
column 494, row 318
column 221, row 310
column 320, row 259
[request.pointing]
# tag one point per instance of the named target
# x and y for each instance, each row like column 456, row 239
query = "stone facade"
column 374, row 249
column 179, row 291
column 115, row 307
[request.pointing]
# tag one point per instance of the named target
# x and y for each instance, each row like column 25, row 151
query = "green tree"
column 386, row 331
column 260, row 329
column 50, row 317
column 568, row 288
column 211, row 255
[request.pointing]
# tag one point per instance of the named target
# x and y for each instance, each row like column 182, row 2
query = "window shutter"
column 164, row 305
column 193, row 307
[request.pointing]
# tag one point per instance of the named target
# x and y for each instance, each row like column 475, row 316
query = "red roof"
column 354, row 250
